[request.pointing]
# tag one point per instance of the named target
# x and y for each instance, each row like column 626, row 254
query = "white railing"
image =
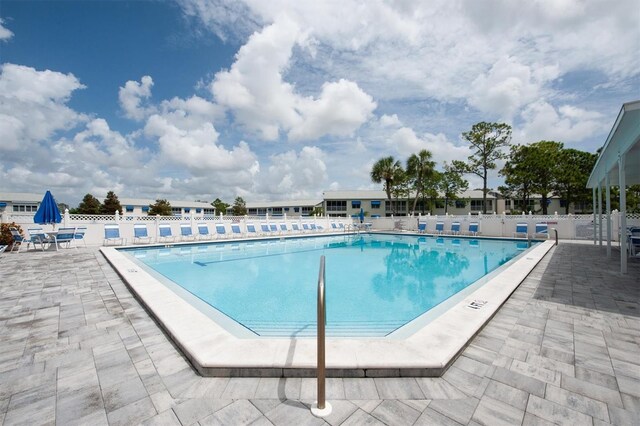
column 568, row 226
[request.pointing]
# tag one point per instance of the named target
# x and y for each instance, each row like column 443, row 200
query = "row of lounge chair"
column 222, row 230
column 454, row 230
column 522, row 229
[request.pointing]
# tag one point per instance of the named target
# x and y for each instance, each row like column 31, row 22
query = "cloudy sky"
column 269, row 100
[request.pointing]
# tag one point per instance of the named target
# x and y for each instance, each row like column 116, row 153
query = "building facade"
column 281, row 208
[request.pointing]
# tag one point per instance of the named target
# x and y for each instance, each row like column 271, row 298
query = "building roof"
column 147, row 202
column 623, row 140
column 284, row 203
column 21, row 197
column 382, row 195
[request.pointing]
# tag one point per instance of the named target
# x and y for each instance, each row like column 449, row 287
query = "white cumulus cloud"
column 133, row 97
column 5, row 33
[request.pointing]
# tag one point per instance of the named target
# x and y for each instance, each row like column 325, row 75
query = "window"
column 355, row 204
column 375, row 204
column 145, row 208
column 277, row 211
column 25, row 208
column 187, row 210
column 262, row 212
column 129, row 209
column 176, row 211
column 209, row 211
column 198, row 210
column 286, row 209
column 400, row 206
column 306, row 211
column 461, row 204
column 439, row 204
column 296, row 209
column 334, row 206
column 563, row 202
column 476, row 205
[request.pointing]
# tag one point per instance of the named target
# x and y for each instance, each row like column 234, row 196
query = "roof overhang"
column 623, row 140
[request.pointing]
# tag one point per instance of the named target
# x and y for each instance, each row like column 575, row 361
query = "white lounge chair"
column 112, row 234
column 186, row 233
column 203, row 232
column 164, row 233
column 542, row 230
column 521, row 229
column 64, row 235
column 140, row 233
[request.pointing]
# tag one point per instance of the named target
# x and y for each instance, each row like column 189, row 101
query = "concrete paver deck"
column 77, row 348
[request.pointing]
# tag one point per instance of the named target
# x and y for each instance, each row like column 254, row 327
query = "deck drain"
column 477, row 304
column 132, row 270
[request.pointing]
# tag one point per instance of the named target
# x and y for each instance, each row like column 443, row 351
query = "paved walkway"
column 77, row 348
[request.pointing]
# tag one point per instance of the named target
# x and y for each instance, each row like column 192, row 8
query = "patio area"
column 77, row 348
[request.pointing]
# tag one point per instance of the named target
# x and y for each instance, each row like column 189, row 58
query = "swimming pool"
column 377, row 284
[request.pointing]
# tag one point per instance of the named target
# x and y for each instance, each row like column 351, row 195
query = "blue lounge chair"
column 313, row 227
column 251, row 229
column 140, row 233
column 439, row 227
column 38, row 236
column 18, row 239
column 164, row 233
column 422, row 227
column 3, row 248
column 334, row 226
column 80, row 233
column 455, row 228
column 186, row 233
column 542, row 230
column 203, row 232
column 306, row 227
column 273, row 227
column 221, row 230
column 283, row 228
column 521, row 229
column 112, row 234
column 473, row 228
column 64, row 235
column 295, row 227
column 235, row 230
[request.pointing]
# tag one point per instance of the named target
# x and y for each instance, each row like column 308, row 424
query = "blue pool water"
column 374, row 283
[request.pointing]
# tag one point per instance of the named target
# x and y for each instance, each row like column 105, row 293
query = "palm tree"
column 419, row 167
column 385, row 170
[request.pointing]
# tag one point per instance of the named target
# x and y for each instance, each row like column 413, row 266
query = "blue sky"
column 198, row 99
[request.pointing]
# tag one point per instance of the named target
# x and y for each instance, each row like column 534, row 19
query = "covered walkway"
column 618, row 165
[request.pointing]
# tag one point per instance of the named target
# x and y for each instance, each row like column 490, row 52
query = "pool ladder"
column 321, row 407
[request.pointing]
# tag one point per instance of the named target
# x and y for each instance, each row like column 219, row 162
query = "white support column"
column 623, row 215
column 594, row 217
column 600, row 212
column 608, row 210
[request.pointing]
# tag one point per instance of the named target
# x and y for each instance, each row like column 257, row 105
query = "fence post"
column 67, row 218
column 117, row 216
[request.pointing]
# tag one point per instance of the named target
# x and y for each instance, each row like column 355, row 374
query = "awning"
column 375, row 204
column 3, row 204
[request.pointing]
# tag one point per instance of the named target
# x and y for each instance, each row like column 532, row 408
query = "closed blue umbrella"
column 48, row 212
column 361, row 215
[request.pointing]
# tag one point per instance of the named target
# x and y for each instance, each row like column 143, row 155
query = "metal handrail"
column 322, row 317
column 321, row 408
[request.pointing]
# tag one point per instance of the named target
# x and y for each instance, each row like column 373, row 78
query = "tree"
column 488, row 141
column 89, row 205
column 220, row 206
column 518, row 175
column 239, row 207
column 451, row 184
column 573, row 170
column 386, row 170
column 111, row 204
column 161, row 207
column 419, row 168
column 400, row 188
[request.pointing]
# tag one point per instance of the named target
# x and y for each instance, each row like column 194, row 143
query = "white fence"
column 568, row 226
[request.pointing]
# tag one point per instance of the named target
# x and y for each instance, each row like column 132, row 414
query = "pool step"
column 333, row 329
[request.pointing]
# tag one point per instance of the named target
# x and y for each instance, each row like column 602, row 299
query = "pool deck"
column 78, row 348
